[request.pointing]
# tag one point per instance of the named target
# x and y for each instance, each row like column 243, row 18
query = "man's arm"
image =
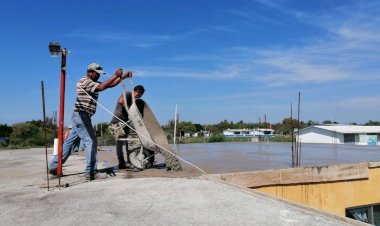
column 121, row 101
column 114, row 80
column 118, row 80
column 128, row 95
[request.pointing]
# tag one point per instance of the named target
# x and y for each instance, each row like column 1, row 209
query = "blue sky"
column 217, row 60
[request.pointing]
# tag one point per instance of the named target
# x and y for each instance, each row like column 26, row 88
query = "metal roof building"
column 341, row 134
column 248, row 132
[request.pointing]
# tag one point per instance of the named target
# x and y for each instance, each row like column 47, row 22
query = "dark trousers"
column 119, row 151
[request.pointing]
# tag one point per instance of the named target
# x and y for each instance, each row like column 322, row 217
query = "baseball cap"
column 96, row 67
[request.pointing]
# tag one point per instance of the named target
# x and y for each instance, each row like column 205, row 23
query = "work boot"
column 53, row 172
column 122, row 166
column 93, row 176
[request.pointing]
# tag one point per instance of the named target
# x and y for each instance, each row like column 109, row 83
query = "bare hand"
column 119, row 72
column 127, row 74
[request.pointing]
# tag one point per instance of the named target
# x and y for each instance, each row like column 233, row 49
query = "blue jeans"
column 82, row 132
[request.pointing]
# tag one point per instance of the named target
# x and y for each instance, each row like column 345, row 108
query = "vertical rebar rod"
column 54, row 122
column 44, row 115
column 292, row 132
column 296, row 152
column 298, row 130
column 299, row 154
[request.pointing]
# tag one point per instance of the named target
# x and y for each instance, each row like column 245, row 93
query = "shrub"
column 216, row 138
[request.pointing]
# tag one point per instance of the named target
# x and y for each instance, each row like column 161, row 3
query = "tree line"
column 32, row 133
column 285, row 127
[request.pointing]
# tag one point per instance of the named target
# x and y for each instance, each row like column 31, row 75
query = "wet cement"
column 249, row 156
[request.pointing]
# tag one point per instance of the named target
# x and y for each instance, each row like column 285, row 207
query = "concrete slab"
column 120, row 200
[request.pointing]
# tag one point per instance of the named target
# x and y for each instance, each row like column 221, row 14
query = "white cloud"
column 346, row 49
column 222, row 73
column 125, row 38
column 295, row 68
column 361, row 102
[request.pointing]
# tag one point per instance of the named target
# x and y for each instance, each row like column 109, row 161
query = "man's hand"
column 119, row 72
column 127, row 74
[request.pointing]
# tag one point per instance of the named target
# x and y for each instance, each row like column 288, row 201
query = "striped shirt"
column 85, row 102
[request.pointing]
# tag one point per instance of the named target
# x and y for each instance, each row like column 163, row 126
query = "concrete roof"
column 124, row 200
column 347, row 128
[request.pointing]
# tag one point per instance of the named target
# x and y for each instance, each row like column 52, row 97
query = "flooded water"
column 249, row 156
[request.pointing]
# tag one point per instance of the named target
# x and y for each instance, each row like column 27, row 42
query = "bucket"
column 55, row 149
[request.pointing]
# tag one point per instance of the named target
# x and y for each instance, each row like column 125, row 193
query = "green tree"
column 372, row 123
column 25, row 134
column 288, row 125
column 32, row 133
column 329, row 122
column 186, row 127
column 264, row 125
column 5, row 130
column 311, row 123
column 198, row 127
column 102, row 129
column 218, row 128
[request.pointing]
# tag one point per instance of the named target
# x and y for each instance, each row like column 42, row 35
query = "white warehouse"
column 341, row 134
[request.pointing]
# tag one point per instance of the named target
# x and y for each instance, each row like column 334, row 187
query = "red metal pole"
column 61, row 112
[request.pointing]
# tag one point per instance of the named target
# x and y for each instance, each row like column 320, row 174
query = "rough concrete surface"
column 126, row 200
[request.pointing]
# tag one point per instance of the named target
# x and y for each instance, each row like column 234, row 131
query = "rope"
column 125, row 124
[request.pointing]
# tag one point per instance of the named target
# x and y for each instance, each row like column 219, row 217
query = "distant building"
column 205, row 134
column 186, row 135
column 341, row 134
column 248, row 132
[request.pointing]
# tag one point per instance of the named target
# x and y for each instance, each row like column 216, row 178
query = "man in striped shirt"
column 88, row 89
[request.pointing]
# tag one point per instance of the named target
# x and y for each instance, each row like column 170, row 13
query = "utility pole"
column 55, row 49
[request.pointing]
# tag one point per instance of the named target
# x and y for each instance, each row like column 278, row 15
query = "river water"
column 251, row 156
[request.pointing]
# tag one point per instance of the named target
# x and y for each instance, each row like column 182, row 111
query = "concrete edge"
column 300, row 175
column 298, row 206
column 373, row 164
